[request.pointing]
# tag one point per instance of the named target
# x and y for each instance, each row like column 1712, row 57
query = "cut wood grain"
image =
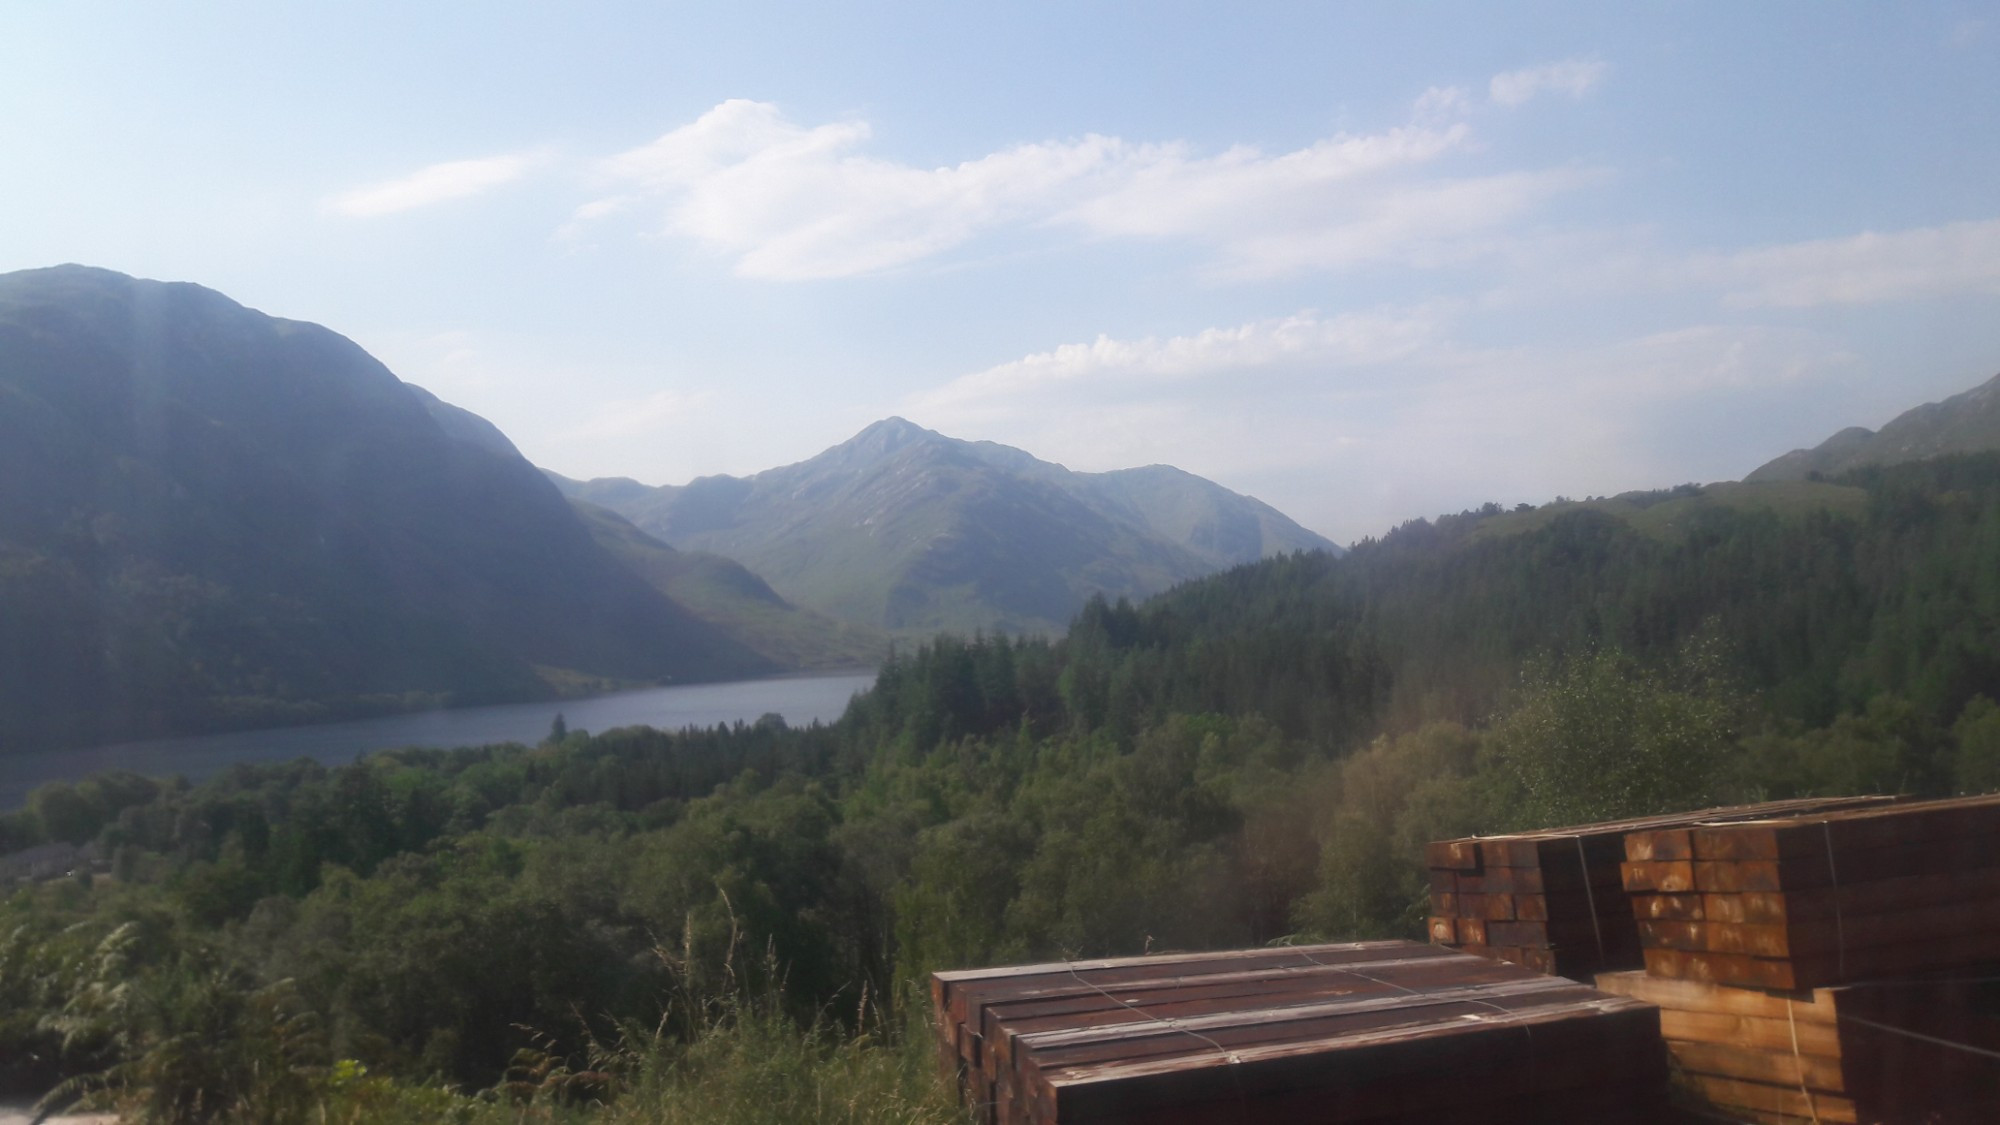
column 1897, row 1052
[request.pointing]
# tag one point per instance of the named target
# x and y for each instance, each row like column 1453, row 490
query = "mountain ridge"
column 902, row 528
column 210, row 518
column 1967, row 422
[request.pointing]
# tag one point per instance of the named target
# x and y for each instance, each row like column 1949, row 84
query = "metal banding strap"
column 1798, row 1061
column 1590, row 898
column 1833, row 873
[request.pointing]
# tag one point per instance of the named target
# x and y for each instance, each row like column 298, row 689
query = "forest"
column 734, row 924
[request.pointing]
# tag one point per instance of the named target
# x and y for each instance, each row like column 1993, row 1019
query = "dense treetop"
column 1251, row 757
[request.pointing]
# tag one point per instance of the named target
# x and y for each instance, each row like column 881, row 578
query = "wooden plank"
column 1518, row 849
column 1939, row 952
column 1195, row 961
column 1676, row 907
column 1659, row 845
column 1136, row 1037
column 1818, row 870
column 1245, row 990
column 1698, row 996
column 1632, row 1096
column 1395, row 1017
column 1106, row 1025
column 1749, row 1032
column 1667, row 876
column 964, row 989
column 1392, row 1063
column 1823, row 935
column 1772, row 907
column 1857, row 829
column 1774, row 1067
column 1732, row 1093
column 1236, row 979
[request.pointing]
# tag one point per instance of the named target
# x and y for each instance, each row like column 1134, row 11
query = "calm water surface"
column 800, row 699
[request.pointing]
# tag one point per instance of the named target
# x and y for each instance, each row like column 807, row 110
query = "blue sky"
column 1366, row 262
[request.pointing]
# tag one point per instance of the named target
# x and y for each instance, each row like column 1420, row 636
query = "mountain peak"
column 881, row 439
column 904, row 528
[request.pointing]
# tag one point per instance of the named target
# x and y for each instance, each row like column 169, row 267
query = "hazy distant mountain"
column 724, row 593
column 1963, row 423
column 213, row 517
column 905, row 529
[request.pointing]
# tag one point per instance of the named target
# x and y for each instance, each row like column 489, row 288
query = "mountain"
column 1963, row 423
column 724, row 593
column 210, row 517
column 904, row 529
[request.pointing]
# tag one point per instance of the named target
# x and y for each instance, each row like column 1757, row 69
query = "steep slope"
column 905, row 529
column 725, row 594
column 211, row 517
column 1964, row 423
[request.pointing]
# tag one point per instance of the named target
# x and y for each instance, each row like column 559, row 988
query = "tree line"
column 1254, row 757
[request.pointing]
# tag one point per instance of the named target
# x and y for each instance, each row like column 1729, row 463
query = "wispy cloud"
column 1574, row 77
column 788, row 201
column 1347, row 422
column 1347, row 339
column 438, row 183
column 1866, row 268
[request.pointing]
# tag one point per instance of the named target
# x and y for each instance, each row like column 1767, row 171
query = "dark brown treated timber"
column 1355, row 1034
column 1821, row 899
column 1393, row 1070
column 1815, row 871
column 1911, row 925
column 1569, row 880
column 1823, row 970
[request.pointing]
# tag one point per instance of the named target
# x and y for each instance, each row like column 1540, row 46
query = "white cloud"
column 1351, row 423
column 455, row 179
column 791, row 202
column 1575, row 77
column 1865, row 268
column 1426, row 224
column 1348, row 339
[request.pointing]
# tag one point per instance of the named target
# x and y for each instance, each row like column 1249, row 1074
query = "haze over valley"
column 814, row 564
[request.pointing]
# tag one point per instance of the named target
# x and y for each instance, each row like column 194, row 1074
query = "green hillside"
column 1672, row 513
column 214, row 518
column 725, row 594
column 1964, row 423
column 736, row 922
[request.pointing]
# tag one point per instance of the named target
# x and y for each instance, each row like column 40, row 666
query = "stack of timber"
column 1829, row 898
column 1896, row 1053
column 1553, row 901
column 1382, row 1033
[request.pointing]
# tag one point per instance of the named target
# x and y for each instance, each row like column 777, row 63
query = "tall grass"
column 752, row 1064
column 198, row 1048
